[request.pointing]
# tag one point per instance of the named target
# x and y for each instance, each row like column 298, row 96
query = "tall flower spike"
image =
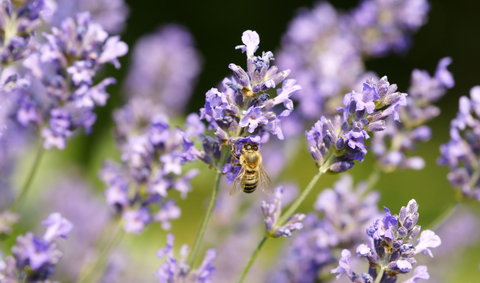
column 33, row 258
column 153, row 155
column 392, row 146
column 323, row 52
column 243, row 111
column 173, row 270
column 272, row 212
column 62, row 73
column 386, row 26
column 346, row 212
column 111, row 15
column 390, row 250
column 363, row 112
column 164, row 68
column 461, row 151
column 19, row 22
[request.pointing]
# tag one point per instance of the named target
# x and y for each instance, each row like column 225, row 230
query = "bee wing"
column 265, row 183
column 237, row 184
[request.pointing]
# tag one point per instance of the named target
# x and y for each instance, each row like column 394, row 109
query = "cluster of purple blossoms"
column 244, row 112
column 325, row 48
column 389, row 252
column 18, row 22
column 321, row 50
column 63, row 96
column 110, row 14
column 347, row 211
column 461, row 153
column 392, row 145
column 152, row 159
column 176, row 271
column 343, row 138
column 33, row 258
column 159, row 70
column 385, row 25
column 272, row 212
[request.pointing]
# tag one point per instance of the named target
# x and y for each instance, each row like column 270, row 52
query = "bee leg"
column 234, row 153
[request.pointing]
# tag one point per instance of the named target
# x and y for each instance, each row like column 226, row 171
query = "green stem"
column 101, row 260
column 380, row 275
column 437, row 222
column 206, row 219
column 300, row 199
column 373, row 179
column 284, row 218
column 31, row 175
column 252, row 259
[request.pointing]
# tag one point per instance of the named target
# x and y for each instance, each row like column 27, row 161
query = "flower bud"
column 414, row 232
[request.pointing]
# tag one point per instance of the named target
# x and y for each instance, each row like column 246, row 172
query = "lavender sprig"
column 385, row 26
column 346, row 211
column 244, row 111
column 461, row 151
column 153, row 155
column 342, row 140
column 65, row 67
column 34, row 258
column 389, row 253
column 393, row 145
column 177, row 271
column 272, row 212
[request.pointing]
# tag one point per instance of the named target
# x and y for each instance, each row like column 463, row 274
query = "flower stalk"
column 206, row 219
column 284, row 218
column 31, row 175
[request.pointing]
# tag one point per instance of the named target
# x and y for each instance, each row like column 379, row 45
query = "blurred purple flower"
column 111, row 15
column 461, row 151
column 173, row 270
column 33, row 258
column 165, row 67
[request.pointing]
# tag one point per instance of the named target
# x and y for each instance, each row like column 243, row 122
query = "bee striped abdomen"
column 251, row 181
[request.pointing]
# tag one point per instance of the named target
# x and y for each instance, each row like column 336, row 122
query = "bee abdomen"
column 250, row 188
column 251, row 183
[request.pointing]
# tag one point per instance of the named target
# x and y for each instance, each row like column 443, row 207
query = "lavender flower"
column 347, row 212
column 393, row 145
column 386, row 26
column 243, row 112
column 164, row 68
column 34, row 258
column 19, row 22
column 111, row 15
column 321, row 49
column 153, row 155
column 272, row 212
column 461, row 153
column 390, row 250
column 73, row 197
column 343, row 138
column 62, row 95
column 176, row 271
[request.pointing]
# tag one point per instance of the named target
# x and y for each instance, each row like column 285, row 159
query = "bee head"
column 250, row 146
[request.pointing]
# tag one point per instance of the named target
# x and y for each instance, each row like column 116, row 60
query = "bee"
column 252, row 174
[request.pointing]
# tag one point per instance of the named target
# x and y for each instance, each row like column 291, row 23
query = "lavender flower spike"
column 390, row 250
column 342, row 139
column 272, row 212
column 173, row 270
column 460, row 153
column 33, row 258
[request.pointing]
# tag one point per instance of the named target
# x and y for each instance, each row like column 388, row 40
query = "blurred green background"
column 452, row 29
